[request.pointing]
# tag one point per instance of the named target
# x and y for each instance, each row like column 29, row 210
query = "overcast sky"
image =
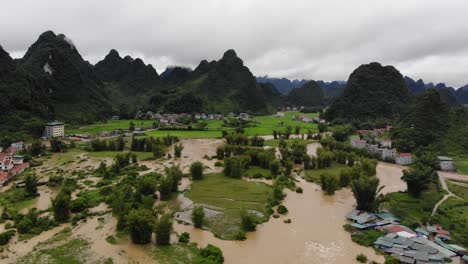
column 291, row 38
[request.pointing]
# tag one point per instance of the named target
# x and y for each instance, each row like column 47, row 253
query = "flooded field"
column 315, row 235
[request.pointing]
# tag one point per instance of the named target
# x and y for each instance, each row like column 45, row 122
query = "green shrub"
column 6, row 236
column 184, row 238
column 299, row 190
column 282, row 209
column 196, row 170
column 361, row 258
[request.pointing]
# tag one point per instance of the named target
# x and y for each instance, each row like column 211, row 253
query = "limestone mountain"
column 309, row 94
column 373, row 91
column 332, row 90
column 424, row 123
column 130, row 76
column 226, row 85
column 68, row 82
column 176, row 75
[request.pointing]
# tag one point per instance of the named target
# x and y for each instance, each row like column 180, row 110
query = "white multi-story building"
column 403, row 159
column 54, row 129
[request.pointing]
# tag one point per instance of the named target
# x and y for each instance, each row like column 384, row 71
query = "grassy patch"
column 111, row 154
column 108, row 126
column 458, row 189
column 93, row 197
column 453, row 214
column 59, row 159
column 176, row 254
column 59, row 249
column 461, row 163
column 111, row 240
column 314, row 175
column 367, row 237
column 254, row 172
column 15, row 198
column 412, row 211
column 182, row 134
column 229, row 196
column 266, row 124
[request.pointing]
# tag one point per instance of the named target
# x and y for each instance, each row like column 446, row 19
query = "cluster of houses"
column 181, row 119
column 289, row 108
column 303, row 118
column 11, row 163
column 382, row 147
column 428, row 244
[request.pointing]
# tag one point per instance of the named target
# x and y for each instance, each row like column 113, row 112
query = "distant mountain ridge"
column 283, row 85
column 448, row 94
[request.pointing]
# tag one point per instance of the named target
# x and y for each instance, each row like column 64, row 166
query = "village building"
column 424, row 245
column 243, row 116
column 386, row 153
column 446, row 163
column 280, row 114
column 403, row 159
column 115, row 117
column 385, row 142
column 358, row 143
column 17, row 145
column 54, row 129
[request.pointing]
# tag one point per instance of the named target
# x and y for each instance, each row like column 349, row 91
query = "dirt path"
column 443, row 182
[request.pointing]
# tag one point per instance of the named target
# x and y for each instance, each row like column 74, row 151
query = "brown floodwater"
column 389, row 175
column 316, row 234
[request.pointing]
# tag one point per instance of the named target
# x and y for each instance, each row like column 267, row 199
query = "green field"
column 261, row 125
column 453, row 214
column 229, row 196
column 266, row 124
column 58, row 249
column 175, row 254
column 253, row 171
column 461, row 163
column 412, row 211
column 314, row 175
column 186, row 134
column 108, row 126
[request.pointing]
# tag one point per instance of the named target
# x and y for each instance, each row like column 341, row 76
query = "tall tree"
column 365, row 190
column 163, row 230
column 61, row 207
column 140, row 224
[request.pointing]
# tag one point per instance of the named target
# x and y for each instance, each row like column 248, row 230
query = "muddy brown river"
column 316, row 234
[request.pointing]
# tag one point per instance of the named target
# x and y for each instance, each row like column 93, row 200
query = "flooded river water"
column 316, row 234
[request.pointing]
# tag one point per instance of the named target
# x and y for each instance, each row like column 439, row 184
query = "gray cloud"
column 296, row 38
